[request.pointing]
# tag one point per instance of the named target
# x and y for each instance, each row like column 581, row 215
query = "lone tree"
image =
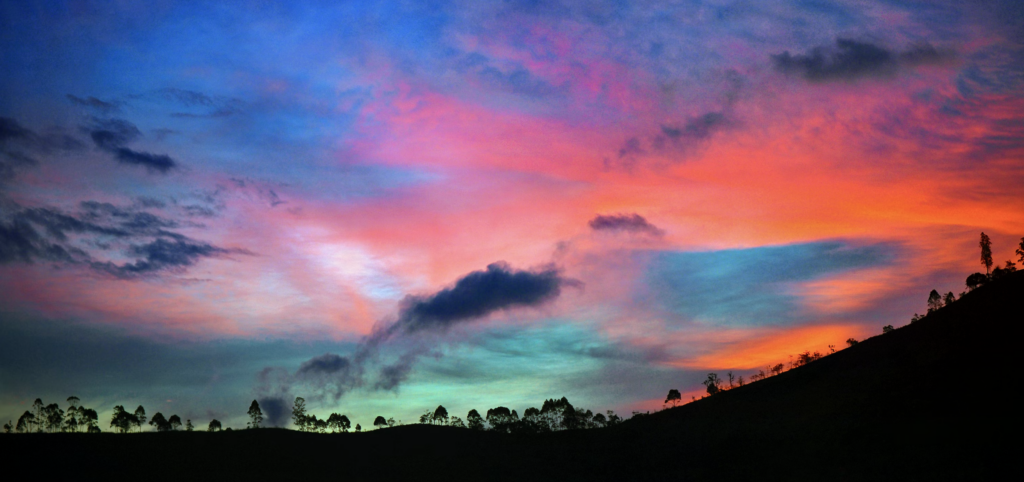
column 440, row 415
column 713, row 383
column 299, row 413
column 986, row 253
column 934, row 301
column 379, row 422
column 214, row 426
column 174, row 422
column 1020, row 251
column 673, row 398
column 255, row 415
column 158, row 421
column 188, row 425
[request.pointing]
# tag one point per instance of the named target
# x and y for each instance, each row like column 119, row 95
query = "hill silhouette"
column 928, row 401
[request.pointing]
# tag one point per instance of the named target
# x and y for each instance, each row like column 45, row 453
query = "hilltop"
column 928, row 401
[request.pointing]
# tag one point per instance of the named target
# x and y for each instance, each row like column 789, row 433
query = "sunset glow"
column 191, row 196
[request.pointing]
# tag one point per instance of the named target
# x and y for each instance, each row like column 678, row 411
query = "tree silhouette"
column 54, row 418
column 188, row 425
column 214, row 426
column 123, row 421
column 713, row 383
column 359, row 428
column 320, row 425
column 140, row 417
column 440, row 415
column 474, row 421
column 174, row 422
column 89, row 418
column 986, row 252
column 379, row 422
column 948, row 299
column 500, row 419
column 158, row 421
column 299, row 413
column 338, row 422
column 887, row 328
column 851, row 341
column 673, row 398
column 71, row 420
column 255, row 415
column 8, row 426
column 456, row 422
column 25, row 422
column 934, row 301
column 391, row 422
column 1020, row 252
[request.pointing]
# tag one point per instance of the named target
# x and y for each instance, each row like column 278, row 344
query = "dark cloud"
column 111, row 135
column 696, row 128
column 94, row 103
column 11, row 129
column 44, row 234
column 632, row 223
column 163, row 255
column 682, row 138
column 276, row 410
column 325, row 364
column 479, row 294
column 851, row 59
column 152, row 162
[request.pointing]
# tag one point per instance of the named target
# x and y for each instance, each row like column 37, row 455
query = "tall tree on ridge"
column 986, row 252
column 255, row 415
column 299, row 413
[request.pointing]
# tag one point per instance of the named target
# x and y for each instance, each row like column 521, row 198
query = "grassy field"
column 929, row 401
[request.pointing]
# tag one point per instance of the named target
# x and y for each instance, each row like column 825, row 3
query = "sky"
column 387, row 206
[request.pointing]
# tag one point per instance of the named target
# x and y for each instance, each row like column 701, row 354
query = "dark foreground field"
column 931, row 401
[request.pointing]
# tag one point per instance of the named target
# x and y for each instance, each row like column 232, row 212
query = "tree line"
column 936, row 301
column 554, row 415
column 77, row 418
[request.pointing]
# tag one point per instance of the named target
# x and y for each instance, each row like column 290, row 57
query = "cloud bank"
column 852, row 59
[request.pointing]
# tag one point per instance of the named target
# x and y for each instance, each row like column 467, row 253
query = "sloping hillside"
column 929, row 401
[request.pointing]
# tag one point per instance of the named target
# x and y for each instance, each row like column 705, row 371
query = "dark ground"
column 930, row 401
